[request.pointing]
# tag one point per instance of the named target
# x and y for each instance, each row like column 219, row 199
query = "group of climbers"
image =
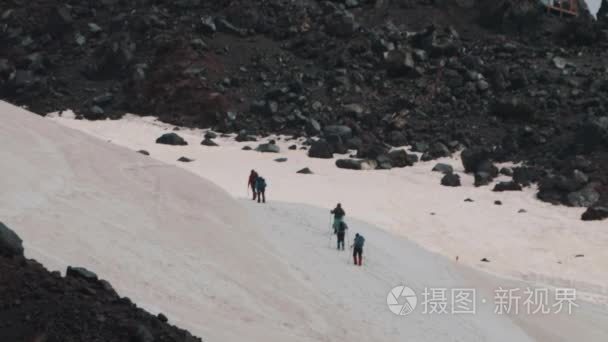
column 258, row 186
column 340, row 228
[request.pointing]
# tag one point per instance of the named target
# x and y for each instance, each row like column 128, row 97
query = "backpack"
column 359, row 241
column 342, row 227
column 261, row 183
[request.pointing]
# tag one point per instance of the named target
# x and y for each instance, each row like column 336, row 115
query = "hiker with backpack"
column 260, row 186
column 341, row 231
column 338, row 216
column 251, row 183
column 358, row 249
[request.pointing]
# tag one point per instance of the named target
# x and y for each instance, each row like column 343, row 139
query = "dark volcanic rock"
column 472, row 158
column 80, row 272
column 10, row 243
column 450, row 179
column 443, row 168
column 144, row 152
column 356, row 164
column 400, row 158
column 208, row 142
column 268, row 148
column 171, row 139
column 305, row 171
column 185, row 160
column 321, row 149
column 595, row 213
column 507, row 186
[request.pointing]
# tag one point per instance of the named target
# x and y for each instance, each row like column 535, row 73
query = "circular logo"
column 401, row 300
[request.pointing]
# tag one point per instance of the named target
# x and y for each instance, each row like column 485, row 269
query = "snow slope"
column 539, row 245
column 229, row 270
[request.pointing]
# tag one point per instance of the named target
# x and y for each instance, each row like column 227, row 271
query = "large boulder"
column 400, row 158
column 171, row 139
column 507, row 186
column 321, row 149
column 268, row 148
column 450, row 179
column 10, row 243
column 443, row 168
column 356, row 164
column 598, row 211
column 472, row 158
column 585, row 197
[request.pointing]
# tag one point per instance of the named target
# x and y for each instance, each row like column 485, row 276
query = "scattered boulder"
column 498, row 202
column 209, row 142
column 144, row 152
column 162, row 318
column 507, row 186
column 505, row 171
column 400, row 158
column 482, row 179
column 597, row 212
column 585, row 197
column 171, row 139
column 305, row 171
column 268, row 148
column 469, row 200
column 485, row 260
column 81, row 272
column 185, row 160
column 321, row 149
column 280, row 160
column 356, row 164
column 210, row 135
column 450, row 179
column 293, row 147
column 10, row 243
column 443, row 168
column 472, row 158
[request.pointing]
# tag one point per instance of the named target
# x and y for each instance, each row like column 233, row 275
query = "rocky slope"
column 41, row 306
column 502, row 77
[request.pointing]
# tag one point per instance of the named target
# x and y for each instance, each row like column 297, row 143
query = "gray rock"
column 450, row 179
column 280, row 160
column 80, row 272
column 482, row 178
column 171, row 139
column 344, row 132
column 185, row 160
column 507, row 186
column 585, row 197
column 144, row 152
column 356, row 164
column 400, row 158
column 443, row 168
column 208, row 142
column 268, row 148
column 10, row 243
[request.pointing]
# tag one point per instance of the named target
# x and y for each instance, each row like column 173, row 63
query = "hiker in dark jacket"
column 251, row 183
column 358, row 249
column 338, row 216
column 260, row 186
column 342, row 227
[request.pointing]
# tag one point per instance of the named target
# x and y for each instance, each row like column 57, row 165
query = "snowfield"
column 229, row 269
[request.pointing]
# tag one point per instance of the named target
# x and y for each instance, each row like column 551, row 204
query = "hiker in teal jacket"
column 260, row 188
